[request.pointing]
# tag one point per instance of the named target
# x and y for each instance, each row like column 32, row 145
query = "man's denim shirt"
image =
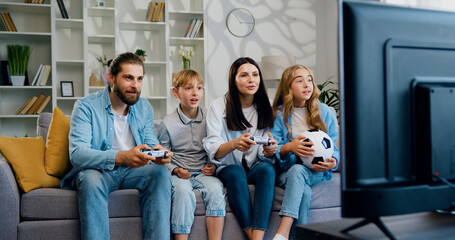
column 92, row 133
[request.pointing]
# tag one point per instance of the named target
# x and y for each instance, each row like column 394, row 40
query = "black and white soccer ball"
column 322, row 144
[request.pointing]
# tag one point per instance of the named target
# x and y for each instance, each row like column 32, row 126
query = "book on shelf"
column 193, row 28
column 151, row 11
column 36, row 105
column 40, row 68
column 8, row 22
column 196, row 28
column 44, row 75
column 34, row 1
column 23, row 106
column 188, row 29
column 62, row 8
column 11, row 23
column 28, row 106
column 159, row 14
column 3, row 25
column 43, row 105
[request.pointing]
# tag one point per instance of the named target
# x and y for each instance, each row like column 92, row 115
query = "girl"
column 297, row 108
column 243, row 112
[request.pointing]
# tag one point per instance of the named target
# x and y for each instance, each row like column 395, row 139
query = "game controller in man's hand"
column 155, row 153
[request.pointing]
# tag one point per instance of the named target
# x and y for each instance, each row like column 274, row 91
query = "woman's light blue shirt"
column 279, row 132
column 218, row 133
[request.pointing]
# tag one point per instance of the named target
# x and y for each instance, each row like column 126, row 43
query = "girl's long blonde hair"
column 284, row 100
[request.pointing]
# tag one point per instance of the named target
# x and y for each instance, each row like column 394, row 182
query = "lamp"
column 272, row 69
column 273, row 66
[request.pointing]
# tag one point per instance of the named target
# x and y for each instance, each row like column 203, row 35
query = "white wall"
column 285, row 27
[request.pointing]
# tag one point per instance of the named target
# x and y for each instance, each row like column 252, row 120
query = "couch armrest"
column 9, row 202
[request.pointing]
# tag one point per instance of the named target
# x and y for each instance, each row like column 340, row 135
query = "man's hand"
column 209, row 169
column 182, row 173
column 134, row 158
column 166, row 159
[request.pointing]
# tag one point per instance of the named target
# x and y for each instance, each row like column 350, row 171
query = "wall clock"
column 240, row 22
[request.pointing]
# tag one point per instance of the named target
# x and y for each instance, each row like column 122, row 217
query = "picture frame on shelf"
column 66, row 89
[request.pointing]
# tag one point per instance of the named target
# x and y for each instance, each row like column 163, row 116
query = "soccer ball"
column 322, row 145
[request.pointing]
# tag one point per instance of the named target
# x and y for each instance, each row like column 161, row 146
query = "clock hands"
column 242, row 22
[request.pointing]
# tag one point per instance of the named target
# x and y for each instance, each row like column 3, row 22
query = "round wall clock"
column 240, row 22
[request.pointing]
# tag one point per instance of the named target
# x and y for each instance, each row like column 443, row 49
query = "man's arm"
column 82, row 153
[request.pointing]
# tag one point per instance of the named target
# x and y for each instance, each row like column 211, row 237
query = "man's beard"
column 128, row 100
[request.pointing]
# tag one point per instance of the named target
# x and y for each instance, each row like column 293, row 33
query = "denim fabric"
column 154, row 184
column 250, row 215
column 184, row 201
column 279, row 132
column 91, row 133
column 218, row 133
column 297, row 182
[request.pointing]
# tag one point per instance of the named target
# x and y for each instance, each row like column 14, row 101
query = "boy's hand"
column 329, row 164
column 166, row 159
column 134, row 158
column 182, row 173
column 269, row 151
column 209, row 169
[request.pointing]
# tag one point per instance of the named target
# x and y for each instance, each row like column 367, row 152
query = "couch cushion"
column 326, row 194
column 51, row 203
column 26, row 155
column 56, row 158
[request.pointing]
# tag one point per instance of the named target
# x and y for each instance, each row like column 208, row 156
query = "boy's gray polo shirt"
column 183, row 136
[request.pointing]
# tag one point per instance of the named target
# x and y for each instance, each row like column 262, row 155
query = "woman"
column 243, row 112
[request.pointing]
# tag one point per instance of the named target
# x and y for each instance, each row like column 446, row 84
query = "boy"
column 182, row 132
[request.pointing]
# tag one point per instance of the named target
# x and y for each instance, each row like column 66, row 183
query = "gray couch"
column 51, row 213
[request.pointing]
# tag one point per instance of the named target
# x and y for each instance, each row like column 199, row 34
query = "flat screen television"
column 397, row 102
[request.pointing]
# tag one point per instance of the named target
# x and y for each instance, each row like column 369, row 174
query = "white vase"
column 18, row 80
column 105, row 75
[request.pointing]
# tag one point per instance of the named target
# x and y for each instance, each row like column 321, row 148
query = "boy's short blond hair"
column 186, row 75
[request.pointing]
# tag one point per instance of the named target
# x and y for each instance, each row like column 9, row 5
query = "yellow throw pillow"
column 56, row 159
column 26, row 156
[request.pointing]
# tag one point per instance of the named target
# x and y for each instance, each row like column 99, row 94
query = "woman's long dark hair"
column 235, row 119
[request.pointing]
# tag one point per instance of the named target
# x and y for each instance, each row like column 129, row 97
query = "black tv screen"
column 397, row 92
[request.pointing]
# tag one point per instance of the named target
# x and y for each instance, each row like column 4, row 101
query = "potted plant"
column 186, row 53
column 18, row 56
column 141, row 53
column 329, row 96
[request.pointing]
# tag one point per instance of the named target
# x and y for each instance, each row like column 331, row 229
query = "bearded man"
column 108, row 130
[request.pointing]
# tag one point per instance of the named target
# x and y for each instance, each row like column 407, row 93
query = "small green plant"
column 141, row 53
column 18, row 56
column 102, row 61
column 330, row 94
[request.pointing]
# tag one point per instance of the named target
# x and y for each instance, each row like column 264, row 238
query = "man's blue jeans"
column 236, row 180
column 154, row 185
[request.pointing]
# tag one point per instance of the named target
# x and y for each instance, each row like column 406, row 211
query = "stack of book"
column 41, row 76
column 8, row 23
column 34, row 105
column 34, row 1
column 155, row 12
column 193, row 28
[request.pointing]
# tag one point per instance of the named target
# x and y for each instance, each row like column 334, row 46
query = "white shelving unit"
column 72, row 46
